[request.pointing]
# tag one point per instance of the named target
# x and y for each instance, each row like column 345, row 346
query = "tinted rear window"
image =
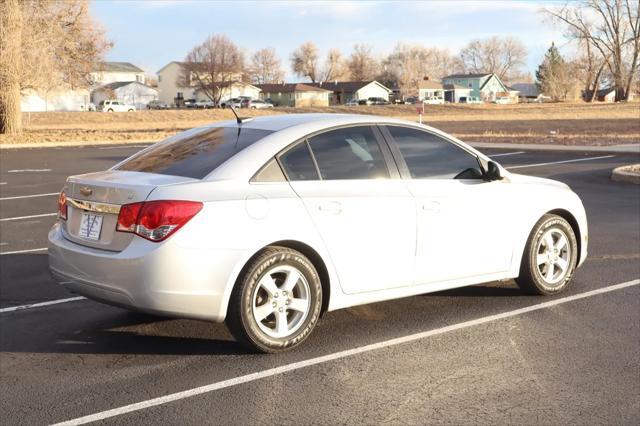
column 194, row 153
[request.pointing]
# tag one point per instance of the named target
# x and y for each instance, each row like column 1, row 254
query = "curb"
column 619, row 174
column 73, row 144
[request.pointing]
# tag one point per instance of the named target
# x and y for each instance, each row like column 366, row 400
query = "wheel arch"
column 311, row 254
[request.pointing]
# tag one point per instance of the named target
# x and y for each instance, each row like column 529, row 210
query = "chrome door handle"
column 332, row 207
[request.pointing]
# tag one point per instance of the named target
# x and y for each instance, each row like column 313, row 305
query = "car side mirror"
column 492, row 172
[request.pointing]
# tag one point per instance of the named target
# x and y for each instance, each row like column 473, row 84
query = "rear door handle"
column 431, row 206
column 331, row 207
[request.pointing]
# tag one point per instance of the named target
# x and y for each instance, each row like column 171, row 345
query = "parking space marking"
column 560, row 162
column 29, row 171
column 508, row 153
column 336, row 356
column 23, row 251
column 3, row 183
column 7, row 219
column 41, row 304
column 48, row 194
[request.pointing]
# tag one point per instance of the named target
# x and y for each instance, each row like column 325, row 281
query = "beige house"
column 172, row 88
column 113, row 72
column 345, row 91
column 430, row 89
column 294, row 94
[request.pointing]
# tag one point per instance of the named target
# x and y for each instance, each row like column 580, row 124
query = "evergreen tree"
column 553, row 75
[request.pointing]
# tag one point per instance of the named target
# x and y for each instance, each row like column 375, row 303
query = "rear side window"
column 194, row 153
column 297, row 163
column 429, row 156
column 349, row 153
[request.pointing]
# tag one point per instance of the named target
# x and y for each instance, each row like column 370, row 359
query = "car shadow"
column 483, row 290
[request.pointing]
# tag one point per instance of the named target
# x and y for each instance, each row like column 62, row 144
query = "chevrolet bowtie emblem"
column 86, row 191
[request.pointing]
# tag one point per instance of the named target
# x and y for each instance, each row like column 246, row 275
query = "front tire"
column 550, row 257
column 276, row 302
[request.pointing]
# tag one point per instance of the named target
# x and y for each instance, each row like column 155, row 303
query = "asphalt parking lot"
column 483, row 354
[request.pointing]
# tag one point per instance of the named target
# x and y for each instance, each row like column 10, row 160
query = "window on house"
column 159, row 78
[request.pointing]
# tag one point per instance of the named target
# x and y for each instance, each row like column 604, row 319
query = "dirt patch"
column 569, row 124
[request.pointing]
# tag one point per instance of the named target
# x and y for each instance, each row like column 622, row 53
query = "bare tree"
column 266, row 67
column 407, row 65
column 304, row 61
column 212, row 67
column 362, row 64
column 612, row 28
column 335, row 67
column 44, row 45
column 501, row 56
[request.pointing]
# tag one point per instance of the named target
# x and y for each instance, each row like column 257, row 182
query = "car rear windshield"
column 194, row 153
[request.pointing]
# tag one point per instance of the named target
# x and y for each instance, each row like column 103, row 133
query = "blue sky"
column 153, row 33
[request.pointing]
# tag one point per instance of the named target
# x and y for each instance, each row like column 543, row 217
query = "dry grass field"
column 570, row 124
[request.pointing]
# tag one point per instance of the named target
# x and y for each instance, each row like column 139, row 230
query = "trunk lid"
column 94, row 200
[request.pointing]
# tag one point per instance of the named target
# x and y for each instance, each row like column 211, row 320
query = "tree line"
column 46, row 45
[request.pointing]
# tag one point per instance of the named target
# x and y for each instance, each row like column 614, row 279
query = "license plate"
column 90, row 226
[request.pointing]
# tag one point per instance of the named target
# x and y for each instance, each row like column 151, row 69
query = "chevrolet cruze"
column 266, row 224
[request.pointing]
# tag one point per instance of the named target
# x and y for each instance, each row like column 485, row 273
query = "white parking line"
column 560, row 162
column 29, row 196
column 23, row 251
column 507, row 153
column 7, row 219
column 29, row 171
column 3, row 183
column 335, row 356
column 41, row 304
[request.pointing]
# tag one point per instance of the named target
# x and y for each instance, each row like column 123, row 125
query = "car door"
column 463, row 226
column 362, row 209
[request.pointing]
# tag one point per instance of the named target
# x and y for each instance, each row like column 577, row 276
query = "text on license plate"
column 90, row 226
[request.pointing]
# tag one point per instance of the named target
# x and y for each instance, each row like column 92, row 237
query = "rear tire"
column 276, row 302
column 550, row 257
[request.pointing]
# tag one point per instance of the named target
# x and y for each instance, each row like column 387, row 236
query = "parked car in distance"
column 433, row 101
column 411, row 100
column 377, row 101
column 156, row 104
column 469, row 100
column 190, row 103
column 504, row 100
column 234, row 103
column 353, row 102
column 204, row 104
column 115, row 106
column 255, row 104
column 268, row 223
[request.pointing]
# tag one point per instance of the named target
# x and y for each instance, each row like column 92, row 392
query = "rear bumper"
column 164, row 279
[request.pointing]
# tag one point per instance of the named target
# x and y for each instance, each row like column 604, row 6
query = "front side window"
column 429, row 156
column 349, row 153
column 194, row 153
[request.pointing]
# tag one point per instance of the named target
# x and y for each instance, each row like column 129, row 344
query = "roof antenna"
column 240, row 120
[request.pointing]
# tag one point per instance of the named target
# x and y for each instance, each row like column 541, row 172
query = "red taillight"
column 62, row 206
column 156, row 220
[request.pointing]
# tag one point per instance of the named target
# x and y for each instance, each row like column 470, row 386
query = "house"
column 111, row 72
column 486, row 86
column 603, row 95
column 173, row 89
column 453, row 93
column 344, row 91
column 63, row 99
column 128, row 92
column 294, row 94
column 430, row 89
column 528, row 92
